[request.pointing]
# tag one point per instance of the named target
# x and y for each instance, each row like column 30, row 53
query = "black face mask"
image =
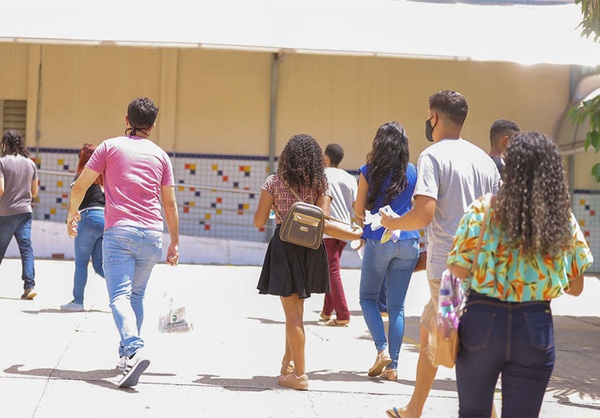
column 429, row 129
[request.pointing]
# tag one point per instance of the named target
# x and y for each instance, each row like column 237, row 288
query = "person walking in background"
column 452, row 173
column 18, row 188
column 343, row 187
column 501, row 132
column 290, row 271
column 386, row 179
column 532, row 251
column 90, row 229
column 138, row 177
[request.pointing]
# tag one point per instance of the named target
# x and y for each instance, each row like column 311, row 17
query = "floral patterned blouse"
column 501, row 273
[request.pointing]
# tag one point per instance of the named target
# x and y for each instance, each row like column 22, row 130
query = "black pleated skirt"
column 290, row 268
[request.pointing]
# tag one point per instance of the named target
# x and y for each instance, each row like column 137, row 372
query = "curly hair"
column 12, row 143
column 302, row 166
column 85, row 153
column 387, row 163
column 533, row 204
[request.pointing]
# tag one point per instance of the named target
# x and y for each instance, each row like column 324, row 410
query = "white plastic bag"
column 172, row 316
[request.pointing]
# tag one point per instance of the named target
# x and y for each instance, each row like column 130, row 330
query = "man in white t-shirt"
column 343, row 188
column 451, row 173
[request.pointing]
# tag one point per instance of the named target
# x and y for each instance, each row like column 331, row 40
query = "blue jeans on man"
column 88, row 243
column 394, row 262
column 512, row 339
column 19, row 226
column 129, row 254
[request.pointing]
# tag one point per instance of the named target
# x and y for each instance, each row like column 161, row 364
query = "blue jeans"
column 88, row 243
column 129, row 254
column 394, row 262
column 382, row 301
column 19, row 226
column 512, row 339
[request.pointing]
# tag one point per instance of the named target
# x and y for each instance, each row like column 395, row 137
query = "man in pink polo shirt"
column 138, row 176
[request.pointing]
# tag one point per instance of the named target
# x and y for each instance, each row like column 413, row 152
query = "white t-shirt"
column 455, row 173
column 342, row 189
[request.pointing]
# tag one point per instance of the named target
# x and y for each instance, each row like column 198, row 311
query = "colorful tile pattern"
column 586, row 208
column 217, row 195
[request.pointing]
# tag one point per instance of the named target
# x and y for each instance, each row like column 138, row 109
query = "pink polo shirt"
column 134, row 171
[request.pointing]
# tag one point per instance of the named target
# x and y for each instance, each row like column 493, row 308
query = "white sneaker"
column 122, row 363
column 72, row 307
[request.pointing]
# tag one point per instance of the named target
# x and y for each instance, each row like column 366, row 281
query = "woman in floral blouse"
column 532, row 251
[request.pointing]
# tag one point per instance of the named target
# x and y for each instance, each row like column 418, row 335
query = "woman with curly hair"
column 18, row 188
column 386, row 179
column 290, row 271
column 531, row 251
column 90, row 230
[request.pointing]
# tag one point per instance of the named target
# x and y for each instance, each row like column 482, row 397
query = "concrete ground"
column 55, row 364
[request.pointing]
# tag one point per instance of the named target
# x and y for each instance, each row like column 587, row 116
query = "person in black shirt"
column 88, row 242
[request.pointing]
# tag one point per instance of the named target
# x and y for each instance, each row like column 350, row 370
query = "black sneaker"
column 133, row 370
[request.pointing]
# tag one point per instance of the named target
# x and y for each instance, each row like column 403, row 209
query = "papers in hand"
column 374, row 219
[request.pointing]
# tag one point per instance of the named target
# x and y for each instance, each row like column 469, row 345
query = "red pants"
column 335, row 300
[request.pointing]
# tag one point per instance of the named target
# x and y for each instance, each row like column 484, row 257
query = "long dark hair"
column 12, row 143
column 533, row 204
column 388, row 159
column 302, row 166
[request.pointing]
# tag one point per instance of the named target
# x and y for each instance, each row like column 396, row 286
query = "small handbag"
column 443, row 342
column 303, row 225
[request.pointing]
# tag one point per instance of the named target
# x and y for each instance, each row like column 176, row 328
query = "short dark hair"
column 503, row 127
column 450, row 103
column 335, row 152
column 142, row 113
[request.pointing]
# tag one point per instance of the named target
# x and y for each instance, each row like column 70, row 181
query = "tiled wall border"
column 227, row 210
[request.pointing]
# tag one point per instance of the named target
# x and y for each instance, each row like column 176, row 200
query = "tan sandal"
column 338, row 322
column 294, row 382
column 381, row 361
column 324, row 317
column 389, row 374
column 287, row 367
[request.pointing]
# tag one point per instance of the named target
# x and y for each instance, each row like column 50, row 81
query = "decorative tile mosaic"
column 586, row 208
column 217, row 195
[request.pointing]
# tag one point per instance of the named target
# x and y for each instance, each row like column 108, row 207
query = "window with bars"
column 13, row 115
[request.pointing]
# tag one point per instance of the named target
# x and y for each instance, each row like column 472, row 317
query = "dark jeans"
column 19, row 226
column 512, row 339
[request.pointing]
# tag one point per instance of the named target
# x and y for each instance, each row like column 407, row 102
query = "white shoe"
column 72, row 307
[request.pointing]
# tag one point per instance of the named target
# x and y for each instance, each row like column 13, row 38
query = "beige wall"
column 218, row 101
